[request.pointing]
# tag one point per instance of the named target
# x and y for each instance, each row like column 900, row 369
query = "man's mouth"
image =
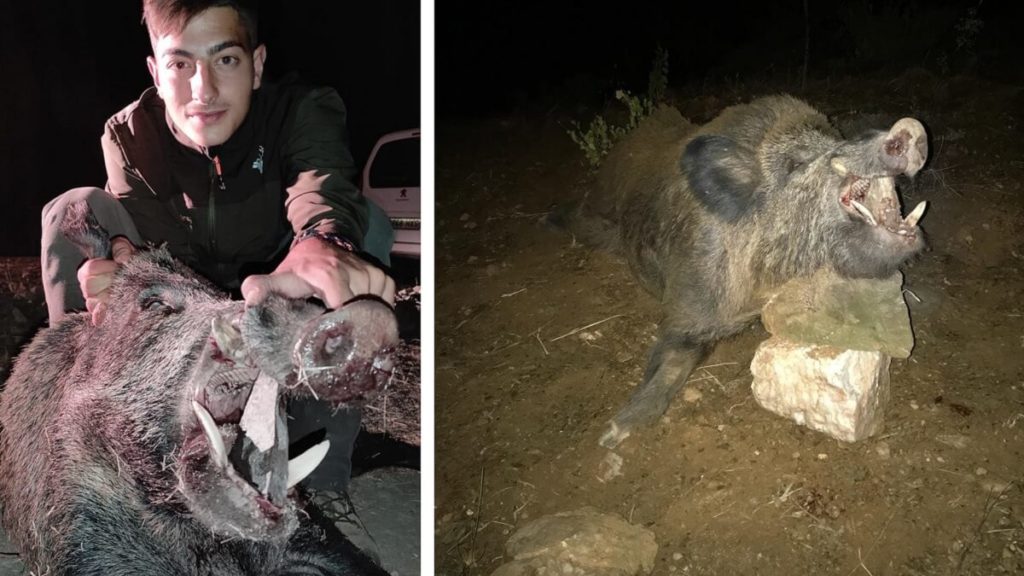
column 207, row 117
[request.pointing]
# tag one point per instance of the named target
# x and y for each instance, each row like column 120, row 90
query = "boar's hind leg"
column 672, row 360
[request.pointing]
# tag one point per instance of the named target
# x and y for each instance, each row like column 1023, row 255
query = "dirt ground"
column 527, row 376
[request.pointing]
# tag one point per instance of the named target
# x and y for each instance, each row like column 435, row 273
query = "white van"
column 391, row 178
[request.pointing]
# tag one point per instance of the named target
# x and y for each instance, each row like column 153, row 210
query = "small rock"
column 610, row 467
column 464, row 217
column 859, row 474
column 883, row 450
column 676, row 556
column 623, row 357
column 955, row 440
column 470, row 225
column 980, row 471
column 822, row 456
column 692, row 395
column 472, row 259
column 994, row 486
column 585, row 541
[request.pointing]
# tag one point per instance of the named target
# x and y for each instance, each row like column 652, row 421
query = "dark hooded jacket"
column 287, row 168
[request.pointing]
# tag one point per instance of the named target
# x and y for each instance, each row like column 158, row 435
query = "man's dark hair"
column 171, row 16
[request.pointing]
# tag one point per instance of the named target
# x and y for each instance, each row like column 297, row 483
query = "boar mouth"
column 233, row 484
column 233, row 468
column 874, row 201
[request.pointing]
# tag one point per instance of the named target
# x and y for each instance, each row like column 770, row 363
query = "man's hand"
column 96, row 274
column 314, row 267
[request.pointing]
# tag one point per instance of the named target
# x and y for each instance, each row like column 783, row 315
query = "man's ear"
column 151, row 64
column 259, row 56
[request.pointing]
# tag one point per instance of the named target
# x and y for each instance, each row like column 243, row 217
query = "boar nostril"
column 334, row 343
column 897, row 146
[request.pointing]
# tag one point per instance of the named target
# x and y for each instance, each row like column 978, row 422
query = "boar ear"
column 722, row 175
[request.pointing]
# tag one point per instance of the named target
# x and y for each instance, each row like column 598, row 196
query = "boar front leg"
column 673, row 358
column 695, row 319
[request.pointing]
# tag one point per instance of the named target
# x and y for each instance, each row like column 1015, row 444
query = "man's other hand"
column 314, row 267
column 96, row 275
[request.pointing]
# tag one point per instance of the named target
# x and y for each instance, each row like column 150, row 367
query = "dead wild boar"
column 713, row 218
column 156, row 442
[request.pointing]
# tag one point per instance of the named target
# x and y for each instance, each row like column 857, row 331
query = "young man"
column 237, row 177
column 226, row 172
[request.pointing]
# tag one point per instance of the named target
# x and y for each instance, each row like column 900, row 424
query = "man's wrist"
column 329, row 237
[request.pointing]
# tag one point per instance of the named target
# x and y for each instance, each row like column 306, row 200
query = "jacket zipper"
column 216, row 182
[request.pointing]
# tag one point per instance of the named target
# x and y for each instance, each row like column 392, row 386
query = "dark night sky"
column 503, row 55
column 67, row 66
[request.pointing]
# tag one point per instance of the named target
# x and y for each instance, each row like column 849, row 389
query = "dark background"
column 504, row 55
column 65, row 67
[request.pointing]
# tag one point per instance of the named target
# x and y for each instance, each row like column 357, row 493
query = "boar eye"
column 156, row 301
column 152, row 303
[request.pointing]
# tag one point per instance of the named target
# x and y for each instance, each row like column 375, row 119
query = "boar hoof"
column 613, row 435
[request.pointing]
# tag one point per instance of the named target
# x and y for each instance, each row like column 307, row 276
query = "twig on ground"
column 989, row 506
column 862, row 565
column 541, row 342
column 873, row 544
column 582, row 328
column 737, row 405
column 515, row 513
column 718, row 365
column 479, row 512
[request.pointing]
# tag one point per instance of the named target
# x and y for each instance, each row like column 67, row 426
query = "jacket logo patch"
column 258, row 163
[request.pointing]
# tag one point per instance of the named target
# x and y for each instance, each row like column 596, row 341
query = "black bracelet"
column 329, row 237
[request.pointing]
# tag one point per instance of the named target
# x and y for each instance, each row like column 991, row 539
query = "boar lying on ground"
column 155, row 443
column 713, row 218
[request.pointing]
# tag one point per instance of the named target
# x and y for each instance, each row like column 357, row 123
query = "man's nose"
column 204, row 88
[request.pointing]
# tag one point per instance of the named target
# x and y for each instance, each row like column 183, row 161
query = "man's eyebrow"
column 210, row 51
column 224, row 46
column 178, row 52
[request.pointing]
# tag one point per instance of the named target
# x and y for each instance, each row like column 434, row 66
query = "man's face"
column 206, row 74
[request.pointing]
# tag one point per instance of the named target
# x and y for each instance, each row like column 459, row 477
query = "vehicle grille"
column 405, row 223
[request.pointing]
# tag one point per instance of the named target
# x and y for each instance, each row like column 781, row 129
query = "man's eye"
column 229, row 60
column 178, row 65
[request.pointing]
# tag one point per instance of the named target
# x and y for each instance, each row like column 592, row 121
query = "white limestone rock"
column 840, row 392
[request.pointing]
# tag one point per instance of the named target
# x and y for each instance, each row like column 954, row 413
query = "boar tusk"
column 228, row 337
column 913, row 217
column 304, row 464
column 839, row 167
column 220, row 454
column 864, row 212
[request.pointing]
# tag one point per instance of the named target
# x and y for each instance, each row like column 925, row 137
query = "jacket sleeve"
column 120, row 182
column 320, row 171
column 154, row 223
